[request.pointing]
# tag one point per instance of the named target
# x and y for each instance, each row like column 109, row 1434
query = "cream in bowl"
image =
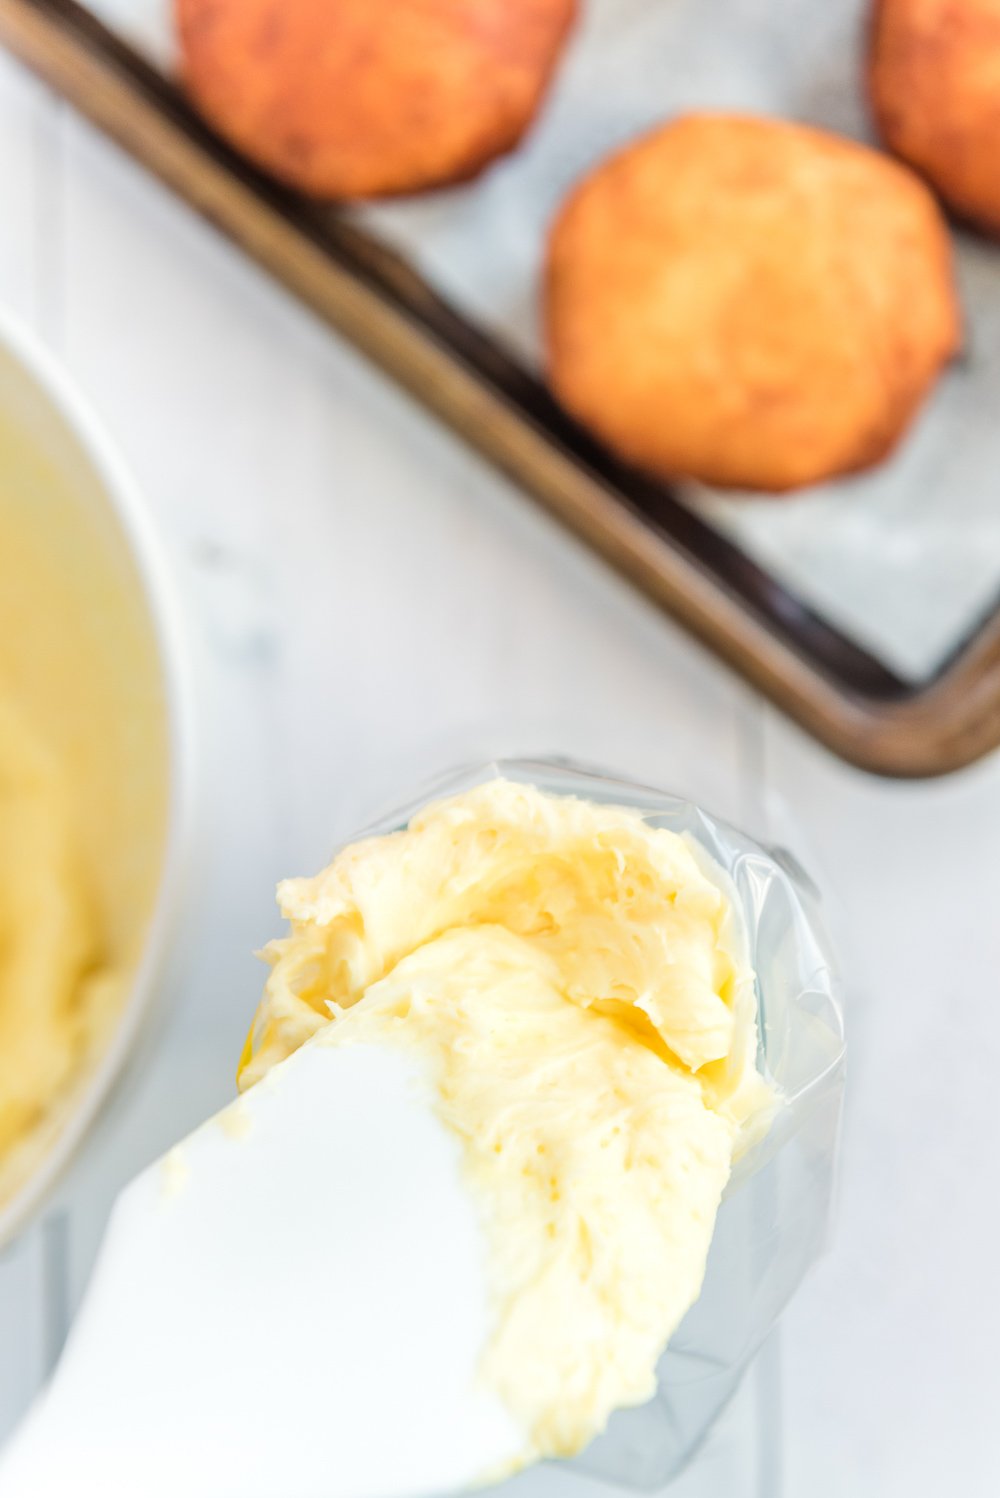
column 91, row 768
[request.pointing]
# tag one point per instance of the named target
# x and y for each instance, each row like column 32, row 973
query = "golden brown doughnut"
column 749, row 302
column 359, row 98
column 934, row 76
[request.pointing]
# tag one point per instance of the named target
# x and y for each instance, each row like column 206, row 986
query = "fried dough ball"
column 361, row 98
column 934, row 76
column 748, row 302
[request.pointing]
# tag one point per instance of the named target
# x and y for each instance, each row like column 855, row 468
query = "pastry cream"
column 82, row 781
column 577, row 985
column 49, row 943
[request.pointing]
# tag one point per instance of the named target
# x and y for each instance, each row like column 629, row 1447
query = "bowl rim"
column 129, row 509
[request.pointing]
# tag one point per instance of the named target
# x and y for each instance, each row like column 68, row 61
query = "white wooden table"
column 369, row 603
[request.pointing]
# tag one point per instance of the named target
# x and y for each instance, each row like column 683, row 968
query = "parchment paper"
column 906, row 559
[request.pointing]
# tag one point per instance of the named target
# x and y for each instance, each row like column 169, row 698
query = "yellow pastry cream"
column 50, row 945
column 83, row 777
column 577, row 983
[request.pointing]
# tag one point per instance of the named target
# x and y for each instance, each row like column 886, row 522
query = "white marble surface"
column 367, row 603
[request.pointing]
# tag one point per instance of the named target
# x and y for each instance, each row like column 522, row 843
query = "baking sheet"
column 905, row 560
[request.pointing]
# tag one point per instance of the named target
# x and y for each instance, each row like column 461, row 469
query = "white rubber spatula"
column 291, row 1304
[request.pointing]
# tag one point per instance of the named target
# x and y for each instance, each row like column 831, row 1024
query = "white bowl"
column 50, row 420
